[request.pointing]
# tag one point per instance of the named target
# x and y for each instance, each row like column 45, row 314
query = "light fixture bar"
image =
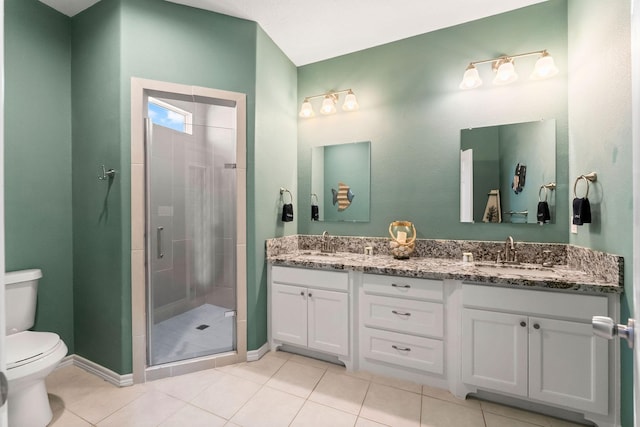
column 330, row 93
column 520, row 55
column 330, row 99
column 505, row 71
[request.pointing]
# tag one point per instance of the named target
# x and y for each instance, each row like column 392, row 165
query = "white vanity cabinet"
column 402, row 323
column 310, row 308
column 537, row 345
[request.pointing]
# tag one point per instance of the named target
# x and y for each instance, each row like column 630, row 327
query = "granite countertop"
column 521, row 275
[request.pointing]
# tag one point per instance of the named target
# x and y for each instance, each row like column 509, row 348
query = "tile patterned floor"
column 281, row 389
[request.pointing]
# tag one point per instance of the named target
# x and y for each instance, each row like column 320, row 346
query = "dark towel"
column 287, row 212
column 544, row 216
column 581, row 211
column 315, row 213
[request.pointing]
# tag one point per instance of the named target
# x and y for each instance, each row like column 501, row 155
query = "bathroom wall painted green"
column 101, row 323
column 600, row 140
column 412, row 111
column 220, row 53
column 38, row 212
column 272, row 165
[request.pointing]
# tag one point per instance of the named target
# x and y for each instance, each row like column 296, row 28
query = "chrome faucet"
column 509, row 251
column 327, row 246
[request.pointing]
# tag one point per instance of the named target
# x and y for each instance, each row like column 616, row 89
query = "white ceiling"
column 311, row 31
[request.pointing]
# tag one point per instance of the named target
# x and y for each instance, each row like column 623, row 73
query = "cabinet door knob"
column 310, row 294
column 523, row 324
column 302, row 293
column 536, row 326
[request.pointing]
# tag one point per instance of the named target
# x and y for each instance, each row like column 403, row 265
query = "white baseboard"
column 253, row 355
column 97, row 370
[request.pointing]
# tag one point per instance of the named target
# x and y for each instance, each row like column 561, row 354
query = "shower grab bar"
column 160, row 251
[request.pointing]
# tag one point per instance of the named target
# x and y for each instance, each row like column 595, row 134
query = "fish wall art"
column 343, row 196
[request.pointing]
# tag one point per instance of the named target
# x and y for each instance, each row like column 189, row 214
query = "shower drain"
column 202, row 327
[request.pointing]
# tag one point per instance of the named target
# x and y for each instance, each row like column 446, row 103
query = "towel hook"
column 284, row 190
column 550, row 186
column 590, row 177
column 106, row 174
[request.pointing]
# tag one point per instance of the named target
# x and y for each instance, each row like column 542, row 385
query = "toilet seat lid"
column 25, row 347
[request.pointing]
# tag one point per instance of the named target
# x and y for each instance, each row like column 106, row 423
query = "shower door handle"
column 159, row 243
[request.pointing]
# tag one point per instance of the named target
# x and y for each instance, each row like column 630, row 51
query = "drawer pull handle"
column 395, row 347
column 399, row 313
column 400, row 286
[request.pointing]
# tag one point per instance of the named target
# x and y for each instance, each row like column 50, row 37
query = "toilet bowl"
column 30, row 356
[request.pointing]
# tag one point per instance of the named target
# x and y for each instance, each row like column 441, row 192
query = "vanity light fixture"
column 505, row 71
column 329, row 101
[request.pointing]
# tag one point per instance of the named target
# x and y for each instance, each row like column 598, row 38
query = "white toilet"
column 31, row 356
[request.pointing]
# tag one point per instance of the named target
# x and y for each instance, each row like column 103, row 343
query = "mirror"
column 341, row 181
column 515, row 159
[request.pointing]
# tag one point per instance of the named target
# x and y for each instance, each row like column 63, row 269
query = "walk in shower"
column 191, row 244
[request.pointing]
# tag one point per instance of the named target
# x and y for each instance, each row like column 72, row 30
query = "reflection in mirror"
column 514, row 159
column 340, row 182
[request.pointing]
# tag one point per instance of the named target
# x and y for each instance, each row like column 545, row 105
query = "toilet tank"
column 21, row 293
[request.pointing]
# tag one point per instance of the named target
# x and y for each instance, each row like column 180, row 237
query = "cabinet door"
column 568, row 365
column 494, row 351
column 289, row 313
column 328, row 319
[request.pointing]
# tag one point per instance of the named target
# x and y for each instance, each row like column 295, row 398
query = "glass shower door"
column 191, row 245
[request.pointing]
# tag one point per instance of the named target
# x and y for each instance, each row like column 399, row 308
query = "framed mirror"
column 341, row 182
column 505, row 170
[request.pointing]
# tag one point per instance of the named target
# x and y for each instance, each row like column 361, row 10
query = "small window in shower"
column 170, row 116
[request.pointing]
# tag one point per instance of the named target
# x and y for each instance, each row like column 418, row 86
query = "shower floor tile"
column 180, row 337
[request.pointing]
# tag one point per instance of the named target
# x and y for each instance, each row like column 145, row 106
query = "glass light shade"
column 471, row 78
column 328, row 105
column 505, row 74
column 545, row 67
column 306, row 110
column 350, row 102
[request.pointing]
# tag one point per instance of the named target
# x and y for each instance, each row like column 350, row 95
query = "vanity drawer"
column 403, row 315
column 408, row 351
column 332, row 280
column 405, row 287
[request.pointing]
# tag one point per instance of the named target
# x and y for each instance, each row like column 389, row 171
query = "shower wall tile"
column 241, row 337
column 229, row 359
column 161, row 182
column 180, row 271
column 137, row 207
column 139, row 357
column 241, row 207
column 157, row 373
column 165, row 291
column 162, row 142
column 138, row 295
column 192, row 366
column 179, row 214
